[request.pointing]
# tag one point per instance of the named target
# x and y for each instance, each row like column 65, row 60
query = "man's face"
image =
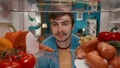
column 61, row 27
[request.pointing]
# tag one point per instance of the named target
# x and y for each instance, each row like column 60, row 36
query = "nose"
column 60, row 28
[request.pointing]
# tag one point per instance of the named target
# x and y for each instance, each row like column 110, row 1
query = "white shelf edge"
column 115, row 22
column 116, row 10
column 105, row 10
column 111, row 10
column 4, row 21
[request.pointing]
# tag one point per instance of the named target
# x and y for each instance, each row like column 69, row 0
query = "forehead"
column 62, row 0
column 65, row 17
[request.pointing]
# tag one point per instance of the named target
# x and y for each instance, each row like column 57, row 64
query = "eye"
column 65, row 23
column 64, row 2
column 54, row 24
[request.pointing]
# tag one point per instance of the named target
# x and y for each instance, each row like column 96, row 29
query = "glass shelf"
column 43, row 5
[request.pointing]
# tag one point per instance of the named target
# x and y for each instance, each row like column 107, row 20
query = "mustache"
column 60, row 33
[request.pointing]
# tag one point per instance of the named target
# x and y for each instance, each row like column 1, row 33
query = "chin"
column 61, row 40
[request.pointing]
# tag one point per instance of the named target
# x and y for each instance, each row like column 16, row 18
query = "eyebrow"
column 66, row 21
column 62, row 21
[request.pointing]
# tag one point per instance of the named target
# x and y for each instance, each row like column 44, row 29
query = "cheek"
column 69, row 29
column 53, row 30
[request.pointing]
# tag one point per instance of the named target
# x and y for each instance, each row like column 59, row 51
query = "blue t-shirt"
column 51, row 59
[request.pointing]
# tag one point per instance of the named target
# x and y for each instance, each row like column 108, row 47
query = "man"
column 63, row 41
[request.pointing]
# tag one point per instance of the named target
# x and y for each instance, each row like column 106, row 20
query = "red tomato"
column 109, row 36
column 105, row 36
column 9, row 64
column 28, row 61
column 16, row 57
column 116, row 36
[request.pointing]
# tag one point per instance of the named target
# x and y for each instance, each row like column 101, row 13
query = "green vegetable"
column 115, row 43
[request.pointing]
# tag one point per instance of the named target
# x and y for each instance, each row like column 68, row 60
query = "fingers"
column 80, row 53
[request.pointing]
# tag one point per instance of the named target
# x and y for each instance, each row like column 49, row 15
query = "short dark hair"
column 54, row 15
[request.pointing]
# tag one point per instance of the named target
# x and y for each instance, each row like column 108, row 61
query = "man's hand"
column 80, row 53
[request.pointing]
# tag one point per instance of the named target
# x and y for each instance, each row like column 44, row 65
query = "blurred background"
column 91, row 16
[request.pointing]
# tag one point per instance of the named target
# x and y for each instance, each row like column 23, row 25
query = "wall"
column 79, row 24
column 85, row 8
column 105, row 24
column 11, row 18
column 108, row 7
column 5, row 17
column 3, row 29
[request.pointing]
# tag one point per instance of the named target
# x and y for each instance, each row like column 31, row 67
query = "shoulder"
column 49, row 41
column 75, row 37
column 75, row 41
